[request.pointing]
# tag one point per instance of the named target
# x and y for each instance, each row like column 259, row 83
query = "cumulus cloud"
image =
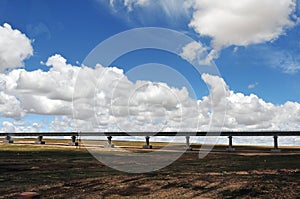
column 17, row 126
column 237, row 23
column 62, row 124
column 8, row 127
column 195, row 52
column 117, row 104
column 15, row 47
column 103, row 99
column 39, row 92
column 48, row 92
column 10, row 106
column 249, row 112
column 242, row 22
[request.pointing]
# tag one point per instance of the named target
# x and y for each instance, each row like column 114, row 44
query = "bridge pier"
column 73, row 142
column 109, row 143
column 147, row 146
column 187, row 143
column 8, row 139
column 230, row 147
column 40, row 140
column 275, row 149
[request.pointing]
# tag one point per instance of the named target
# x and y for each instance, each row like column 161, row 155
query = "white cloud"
column 15, row 47
column 8, row 127
column 171, row 8
column 105, row 100
column 242, row 22
column 237, row 23
column 173, row 13
column 35, row 127
column 251, row 86
column 99, row 103
column 248, row 112
column 39, row 92
column 56, row 61
column 131, row 3
column 20, row 127
column 10, row 106
column 139, row 106
column 195, row 52
column 286, row 62
column 61, row 124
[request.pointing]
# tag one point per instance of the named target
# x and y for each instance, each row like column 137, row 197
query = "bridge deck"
column 223, row 133
column 147, row 135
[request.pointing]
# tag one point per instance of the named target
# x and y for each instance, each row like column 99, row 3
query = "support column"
column 187, row 143
column 73, row 142
column 40, row 140
column 275, row 149
column 109, row 143
column 8, row 139
column 230, row 147
column 147, row 146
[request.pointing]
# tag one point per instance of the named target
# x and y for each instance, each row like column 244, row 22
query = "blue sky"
column 267, row 66
column 72, row 30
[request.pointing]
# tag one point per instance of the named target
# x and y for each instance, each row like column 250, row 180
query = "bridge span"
column 74, row 136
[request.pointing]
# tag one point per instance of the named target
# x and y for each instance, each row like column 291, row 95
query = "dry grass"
column 58, row 171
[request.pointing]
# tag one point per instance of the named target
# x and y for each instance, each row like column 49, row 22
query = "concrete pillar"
column 275, row 149
column 187, row 143
column 109, row 143
column 147, row 146
column 40, row 140
column 230, row 147
column 109, row 139
column 8, row 139
column 73, row 142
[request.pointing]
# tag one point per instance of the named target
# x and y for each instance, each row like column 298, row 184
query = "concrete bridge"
column 75, row 135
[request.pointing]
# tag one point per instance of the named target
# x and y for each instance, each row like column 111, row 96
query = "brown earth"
column 69, row 172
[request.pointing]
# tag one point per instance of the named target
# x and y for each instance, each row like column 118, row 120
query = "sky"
column 236, row 66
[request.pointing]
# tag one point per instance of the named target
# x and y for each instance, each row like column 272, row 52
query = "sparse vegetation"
column 70, row 172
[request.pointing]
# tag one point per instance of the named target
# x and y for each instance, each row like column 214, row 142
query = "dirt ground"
column 70, row 172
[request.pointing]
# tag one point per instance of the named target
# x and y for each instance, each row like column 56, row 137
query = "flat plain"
column 56, row 170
